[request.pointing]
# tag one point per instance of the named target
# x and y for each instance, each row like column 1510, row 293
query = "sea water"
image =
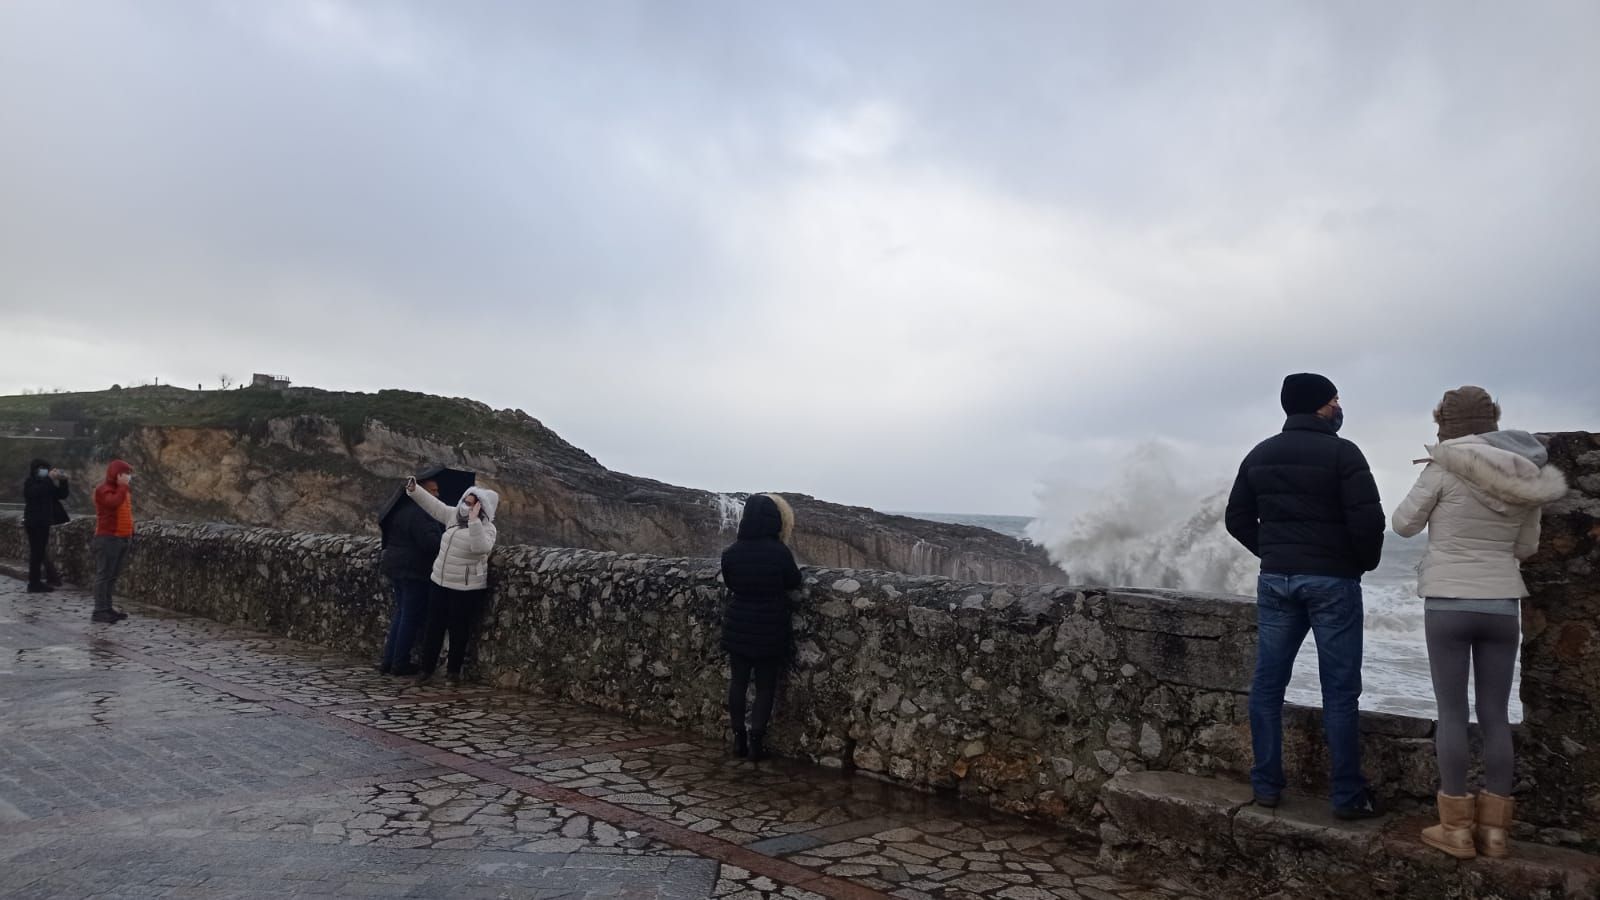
column 1125, row 544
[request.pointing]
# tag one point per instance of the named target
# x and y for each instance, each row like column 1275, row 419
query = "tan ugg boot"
column 1453, row 834
column 1494, row 814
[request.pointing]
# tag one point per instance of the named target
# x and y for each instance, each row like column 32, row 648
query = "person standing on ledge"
column 410, row 546
column 113, row 533
column 42, row 493
column 1306, row 504
column 759, row 569
column 1480, row 498
column 460, row 574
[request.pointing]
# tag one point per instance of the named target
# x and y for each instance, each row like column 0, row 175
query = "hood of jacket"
column 766, row 517
column 1506, row 468
column 115, row 471
column 489, row 499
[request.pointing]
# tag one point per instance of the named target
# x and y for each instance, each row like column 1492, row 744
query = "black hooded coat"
column 42, row 497
column 760, row 571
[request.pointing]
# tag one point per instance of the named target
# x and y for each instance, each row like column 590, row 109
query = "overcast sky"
column 924, row 256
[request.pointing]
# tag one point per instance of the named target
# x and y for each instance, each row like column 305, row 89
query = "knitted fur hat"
column 1466, row 410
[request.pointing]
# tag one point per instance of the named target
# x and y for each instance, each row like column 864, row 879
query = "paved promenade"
column 169, row 756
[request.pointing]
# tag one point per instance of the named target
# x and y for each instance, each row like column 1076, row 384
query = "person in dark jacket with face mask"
column 1305, row 502
column 42, row 493
column 410, row 543
column 759, row 570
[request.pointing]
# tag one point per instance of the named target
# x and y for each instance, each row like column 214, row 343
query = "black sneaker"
column 1270, row 801
column 40, row 588
column 383, row 668
column 104, row 616
column 1365, row 808
column 405, row 670
column 118, row 615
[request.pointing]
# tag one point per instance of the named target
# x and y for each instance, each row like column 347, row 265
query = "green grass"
column 464, row 423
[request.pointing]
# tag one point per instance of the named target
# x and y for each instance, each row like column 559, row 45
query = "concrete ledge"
column 1301, row 849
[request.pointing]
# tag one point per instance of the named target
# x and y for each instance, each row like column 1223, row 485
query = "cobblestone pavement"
column 170, row 756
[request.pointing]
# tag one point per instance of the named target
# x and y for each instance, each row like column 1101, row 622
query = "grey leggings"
column 1489, row 642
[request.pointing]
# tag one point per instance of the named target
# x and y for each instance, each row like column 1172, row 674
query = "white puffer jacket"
column 1479, row 498
column 463, row 560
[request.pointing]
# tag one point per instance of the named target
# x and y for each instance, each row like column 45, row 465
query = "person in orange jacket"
column 113, row 532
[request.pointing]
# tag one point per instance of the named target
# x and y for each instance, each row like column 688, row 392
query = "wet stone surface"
column 169, row 756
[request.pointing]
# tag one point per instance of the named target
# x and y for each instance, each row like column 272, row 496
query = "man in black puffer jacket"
column 1305, row 502
column 759, row 569
column 410, row 544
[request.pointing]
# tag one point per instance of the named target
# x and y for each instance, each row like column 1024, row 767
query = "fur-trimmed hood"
column 1507, row 468
column 489, row 499
column 767, row 517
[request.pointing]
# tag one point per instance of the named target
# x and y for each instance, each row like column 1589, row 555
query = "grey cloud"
column 693, row 237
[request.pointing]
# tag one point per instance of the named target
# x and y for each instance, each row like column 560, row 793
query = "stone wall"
column 1028, row 697
column 1560, row 756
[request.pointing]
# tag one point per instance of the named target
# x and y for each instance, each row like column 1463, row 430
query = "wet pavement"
column 171, row 756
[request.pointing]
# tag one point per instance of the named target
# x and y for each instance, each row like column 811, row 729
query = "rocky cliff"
column 324, row 461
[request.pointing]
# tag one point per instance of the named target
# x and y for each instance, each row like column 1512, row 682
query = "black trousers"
column 765, row 673
column 455, row 612
column 40, row 567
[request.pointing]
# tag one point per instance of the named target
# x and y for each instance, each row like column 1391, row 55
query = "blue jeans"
column 410, row 610
column 1287, row 606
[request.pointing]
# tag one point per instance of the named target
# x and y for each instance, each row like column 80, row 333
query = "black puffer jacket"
column 760, row 571
column 1306, row 504
column 410, row 541
column 42, row 497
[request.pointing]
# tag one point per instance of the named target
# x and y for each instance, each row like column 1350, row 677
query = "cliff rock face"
column 323, row 462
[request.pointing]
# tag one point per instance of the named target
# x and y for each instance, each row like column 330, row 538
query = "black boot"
column 758, row 746
column 741, row 744
column 39, row 587
column 103, row 616
column 118, row 615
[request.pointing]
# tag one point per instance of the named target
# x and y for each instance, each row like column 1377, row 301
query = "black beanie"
column 1304, row 392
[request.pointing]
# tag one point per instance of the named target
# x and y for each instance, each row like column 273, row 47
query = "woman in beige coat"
column 460, row 574
column 1480, row 499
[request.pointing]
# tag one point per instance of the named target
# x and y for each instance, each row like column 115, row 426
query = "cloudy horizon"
column 938, row 257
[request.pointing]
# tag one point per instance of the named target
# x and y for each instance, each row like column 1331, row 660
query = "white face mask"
column 42, row 473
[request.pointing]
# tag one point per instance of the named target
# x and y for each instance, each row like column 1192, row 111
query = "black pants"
column 455, row 612
column 40, row 568
column 766, row 677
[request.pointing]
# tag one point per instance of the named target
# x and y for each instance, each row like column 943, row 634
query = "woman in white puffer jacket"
column 460, row 574
column 1480, row 498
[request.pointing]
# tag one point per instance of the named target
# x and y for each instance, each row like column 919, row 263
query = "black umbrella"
column 453, row 483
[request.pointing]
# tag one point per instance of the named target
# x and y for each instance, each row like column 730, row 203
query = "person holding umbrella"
column 410, row 543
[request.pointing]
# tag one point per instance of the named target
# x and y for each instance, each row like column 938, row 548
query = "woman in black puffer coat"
column 760, row 571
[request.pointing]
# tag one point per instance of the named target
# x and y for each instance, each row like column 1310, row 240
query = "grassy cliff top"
column 451, row 420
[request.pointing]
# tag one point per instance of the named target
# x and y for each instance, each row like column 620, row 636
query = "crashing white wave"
column 729, row 508
column 1150, row 529
column 1156, row 528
